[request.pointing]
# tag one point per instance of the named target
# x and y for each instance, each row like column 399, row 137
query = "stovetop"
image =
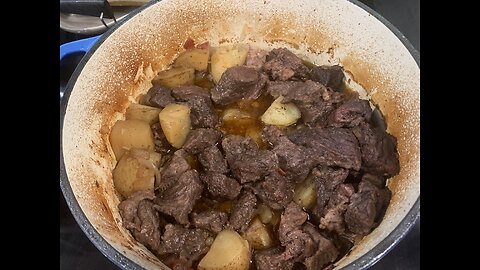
column 76, row 250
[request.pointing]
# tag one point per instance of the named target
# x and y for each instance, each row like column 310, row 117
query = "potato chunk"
column 175, row 76
column 281, row 114
column 228, row 251
column 225, row 57
column 175, row 122
column 128, row 134
column 258, row 236
column 194, row 58
column 142, row 112
column 236, row 115
column 136, row 171
column 305, row 195
column 264, row 213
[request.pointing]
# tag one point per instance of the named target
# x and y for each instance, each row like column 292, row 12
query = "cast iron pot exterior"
column 380, row 63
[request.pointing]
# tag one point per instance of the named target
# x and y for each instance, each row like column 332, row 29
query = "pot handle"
column 82, row 45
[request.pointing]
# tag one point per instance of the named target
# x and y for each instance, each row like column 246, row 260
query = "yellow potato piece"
column 305, row 194
column 142, row 112
column 258, row 236
column 280, row 114
column 136, row 171
column 193, row 58
column 128, row 134
column 175, row 76
column 225, row 57
column 236, row 115
column 264, row 213
column 228, row 251
column 175, row 122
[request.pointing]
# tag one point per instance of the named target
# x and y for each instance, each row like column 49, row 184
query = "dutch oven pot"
column 121, row 63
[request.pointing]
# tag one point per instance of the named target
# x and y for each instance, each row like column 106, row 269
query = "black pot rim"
column 364, row 262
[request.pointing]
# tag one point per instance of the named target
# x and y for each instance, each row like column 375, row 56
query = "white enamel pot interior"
column 379, row 62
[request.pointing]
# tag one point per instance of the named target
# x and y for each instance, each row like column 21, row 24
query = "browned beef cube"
column 282, row 65
column 351, row 113
column 256, row 58
column 179, row 199
column 140, row 217
column 242, row 211
column 272, row 259
column 158, row 96
column 187, row 244
column 330, row 146
column 276, row 190
column 325, row 252
column 330, row 76
column 173, row 169
column 326, row 181
column 212, row 160
column 201, row 138
column 220, row 186
column 379, row 150
column 295, row 160
column 198, row 99
column 212, row 220
column 237, row 83
column 333, row 214
column 246, row 161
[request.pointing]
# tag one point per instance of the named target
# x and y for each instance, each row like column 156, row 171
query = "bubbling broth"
column 240, row 158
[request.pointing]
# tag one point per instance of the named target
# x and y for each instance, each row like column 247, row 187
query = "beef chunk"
column 333, row 219
column 383, row 200
column 330, row 146
column 198, row 99
column 212, row 160
column 351, row 113
column 325, row 253
column 379, row 150
column 314, row 100
column 236, row 83
column 201, row 138
column 276, row 191
column 202, row 113
column 188, row 244
column 361, row 213
column 294, row 159
column 140, row 217
column 188, row 92
column 220, row 186
column 179, row 199
column 158, row 96
column 242, row 211
column 291, row 219
column 256, row 58
column 326, row 181
column 298, row 244
column 161, row 144
column 330, row 76
column 382, row 195
column 246, row 161
column 289, row 88
column 173, row 169
column 272, row 259
column 282, row 65
column 212, row 220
